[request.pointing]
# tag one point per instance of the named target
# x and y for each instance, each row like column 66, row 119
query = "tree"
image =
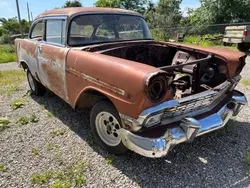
column 163, row 18
column 135, row 5
column 10, row 27
column 74, row 3
column 221, row 11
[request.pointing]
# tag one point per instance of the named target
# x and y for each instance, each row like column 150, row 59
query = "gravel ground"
column 213, row 160
column 8, row 66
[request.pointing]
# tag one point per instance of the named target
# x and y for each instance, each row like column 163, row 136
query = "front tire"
column 36, row 87
column 106, row 125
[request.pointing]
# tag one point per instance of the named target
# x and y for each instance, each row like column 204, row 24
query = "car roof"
column 78, row 10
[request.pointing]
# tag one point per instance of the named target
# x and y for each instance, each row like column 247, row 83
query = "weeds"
column 58, row 132
column 10, row 81
column 7, row 53
column 33, row 118
column 52, row 147
column 4, row 122
column 71, row 176
column 23, row 120
column 49, row 114
column 17, row 103
column 110, row 159
column 247, row 163
column 2, row 168
column 245, row 82
column 35, row 151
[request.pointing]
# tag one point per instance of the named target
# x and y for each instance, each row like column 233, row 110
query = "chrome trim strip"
column 188, row 129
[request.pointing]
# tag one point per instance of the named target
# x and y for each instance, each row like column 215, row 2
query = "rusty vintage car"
column 146, row 96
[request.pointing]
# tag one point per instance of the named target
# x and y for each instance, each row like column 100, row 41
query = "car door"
column 52, row 54
column 29, row 47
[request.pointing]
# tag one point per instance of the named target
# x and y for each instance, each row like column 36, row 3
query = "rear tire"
column 243, row 47
column 36, row 87
column 105, row 124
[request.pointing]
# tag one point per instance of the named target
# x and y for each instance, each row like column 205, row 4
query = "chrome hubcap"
column 108, row 128
column 31, row 82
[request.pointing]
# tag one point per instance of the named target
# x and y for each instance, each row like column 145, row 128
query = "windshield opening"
column 92, row 29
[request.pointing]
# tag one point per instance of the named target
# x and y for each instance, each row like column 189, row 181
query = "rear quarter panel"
column 27, row 52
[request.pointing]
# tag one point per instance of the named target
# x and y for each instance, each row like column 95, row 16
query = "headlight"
column 157, row 88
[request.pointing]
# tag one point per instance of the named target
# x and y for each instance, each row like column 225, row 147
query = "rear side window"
column 37, row 32
column 55, row 31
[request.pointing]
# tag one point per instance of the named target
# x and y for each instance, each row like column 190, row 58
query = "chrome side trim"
column 188, row 129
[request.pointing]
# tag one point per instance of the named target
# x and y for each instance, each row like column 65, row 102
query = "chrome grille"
column 198, row 102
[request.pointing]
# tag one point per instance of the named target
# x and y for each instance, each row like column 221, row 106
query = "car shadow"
column 216, row 159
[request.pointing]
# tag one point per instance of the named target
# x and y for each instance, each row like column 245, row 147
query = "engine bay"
column 188, row 72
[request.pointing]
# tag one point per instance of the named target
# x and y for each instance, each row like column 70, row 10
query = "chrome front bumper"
column 188, row 129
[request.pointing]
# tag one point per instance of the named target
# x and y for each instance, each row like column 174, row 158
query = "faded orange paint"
column 77, row 10
column 52, row 68
column 69, row 72
column 232, row 58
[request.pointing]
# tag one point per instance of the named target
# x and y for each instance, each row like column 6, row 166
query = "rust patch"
column 98, row 82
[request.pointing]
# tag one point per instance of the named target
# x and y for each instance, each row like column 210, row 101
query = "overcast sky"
column 8, row 7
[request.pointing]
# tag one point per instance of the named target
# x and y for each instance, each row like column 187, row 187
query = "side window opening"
column 37, row 31
column 55, row 31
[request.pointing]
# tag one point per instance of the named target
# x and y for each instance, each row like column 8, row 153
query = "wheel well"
column 89, row 98
column 24, row 65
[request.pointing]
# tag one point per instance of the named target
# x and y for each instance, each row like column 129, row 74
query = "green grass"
column 10, row 81
column 17, row 103
column 4, row 123
column 33, row 118
column 245, row 82
column 7, row 53
column 2, row 168
column 35, row 151
column 23, row 120
column 70, row 176
column 58, row 132
column 247, row 163
column 203, row 41
column 110, row 159
column 52, row 147
column 49, row 114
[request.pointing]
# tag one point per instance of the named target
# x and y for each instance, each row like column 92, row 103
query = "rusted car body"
column 165, row 93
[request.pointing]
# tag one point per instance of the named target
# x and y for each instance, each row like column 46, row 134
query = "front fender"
column 122, row 81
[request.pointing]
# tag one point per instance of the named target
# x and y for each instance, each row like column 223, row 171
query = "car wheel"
column 36, row 87
column 106, row 125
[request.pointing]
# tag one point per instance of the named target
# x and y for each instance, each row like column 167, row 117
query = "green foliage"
column 2, row 168
column 17, row 103
column 72, row 3
column 33, row 118
column 71, row 176
column 52, row 147
column 7, row 53
column 247, row 163
column 207, row 41
column 4, row 122
column 10, row 81
column 58, row 132
column 245, row 82
column 10, row 27
column 23, row 120
column 49, row 114
column 135, row 5
column 110, row 159
column 35, row 151
column 163, row 18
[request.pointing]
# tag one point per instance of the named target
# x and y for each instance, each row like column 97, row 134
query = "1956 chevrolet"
column 146, row 96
